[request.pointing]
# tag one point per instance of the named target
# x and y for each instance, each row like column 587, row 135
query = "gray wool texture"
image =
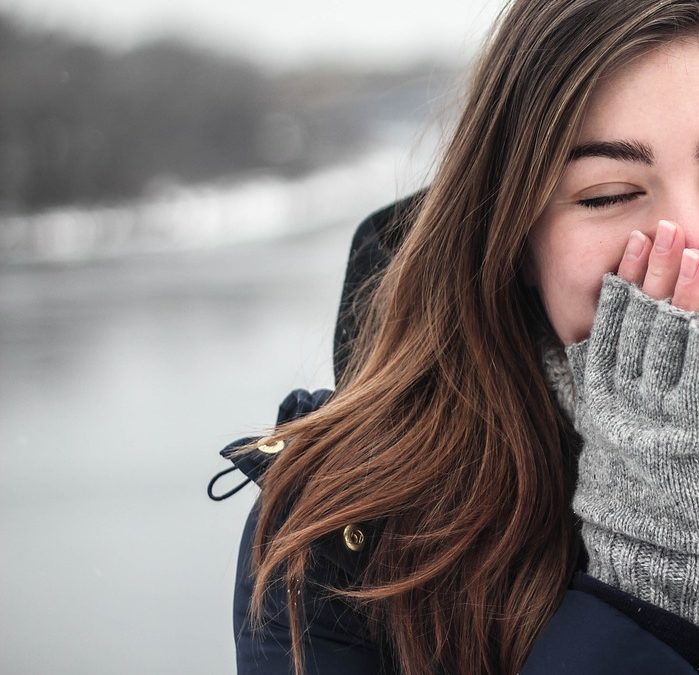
column 632, row 392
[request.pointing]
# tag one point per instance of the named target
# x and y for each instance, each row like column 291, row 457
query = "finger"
column 687, row 288
column 664, row 261
column 635, row 261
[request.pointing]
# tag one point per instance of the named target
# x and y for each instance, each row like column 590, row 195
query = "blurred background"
column 179, row 185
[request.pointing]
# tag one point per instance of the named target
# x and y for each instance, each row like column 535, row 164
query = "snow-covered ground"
column 254, row 208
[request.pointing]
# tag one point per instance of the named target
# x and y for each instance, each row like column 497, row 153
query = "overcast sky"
column 278, row 33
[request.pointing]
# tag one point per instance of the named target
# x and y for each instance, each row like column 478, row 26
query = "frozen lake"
column 121, row 381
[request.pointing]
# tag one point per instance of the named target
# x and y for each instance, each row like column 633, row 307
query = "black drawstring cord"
column 297, row 403
column 230, row 493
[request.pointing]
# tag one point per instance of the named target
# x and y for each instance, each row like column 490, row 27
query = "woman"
column 528, row 309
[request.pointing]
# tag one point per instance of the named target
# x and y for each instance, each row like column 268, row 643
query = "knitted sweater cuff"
column 636, row 381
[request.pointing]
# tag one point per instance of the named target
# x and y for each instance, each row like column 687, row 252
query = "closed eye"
column 608, row 200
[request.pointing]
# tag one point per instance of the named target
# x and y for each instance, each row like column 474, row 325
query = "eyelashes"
column 610, row 200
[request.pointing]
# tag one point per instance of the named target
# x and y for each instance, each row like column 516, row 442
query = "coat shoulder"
column 336, row 632
column 348, row 549
column 336, row 635
column 587, row 635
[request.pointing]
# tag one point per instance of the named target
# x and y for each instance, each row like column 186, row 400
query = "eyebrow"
column 626, row 150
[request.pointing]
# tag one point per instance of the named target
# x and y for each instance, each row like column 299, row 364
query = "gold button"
column 354, row 537
column 272, row 449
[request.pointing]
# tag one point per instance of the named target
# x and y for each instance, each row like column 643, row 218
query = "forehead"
column 657, row 87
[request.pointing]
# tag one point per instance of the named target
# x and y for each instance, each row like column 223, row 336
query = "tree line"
column 81, row 124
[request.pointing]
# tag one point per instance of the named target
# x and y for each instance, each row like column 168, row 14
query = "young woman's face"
column 652, row 105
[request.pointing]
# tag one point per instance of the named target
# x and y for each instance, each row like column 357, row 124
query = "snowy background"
column 179, row 185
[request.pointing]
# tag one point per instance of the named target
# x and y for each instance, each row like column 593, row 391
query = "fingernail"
column 636, row 244
column 689, row 264
column 665, row 236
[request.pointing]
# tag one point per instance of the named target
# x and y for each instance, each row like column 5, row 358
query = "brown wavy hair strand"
column 442, row 432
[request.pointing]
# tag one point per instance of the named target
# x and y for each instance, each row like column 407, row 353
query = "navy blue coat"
column 596, row 628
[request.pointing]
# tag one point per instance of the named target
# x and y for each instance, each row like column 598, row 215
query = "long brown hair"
column 442, row 432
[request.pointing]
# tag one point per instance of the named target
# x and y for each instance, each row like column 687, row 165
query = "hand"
column 637, row 410
column 663, row 269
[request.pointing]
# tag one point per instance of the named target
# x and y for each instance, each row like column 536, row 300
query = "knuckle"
column 656, row 272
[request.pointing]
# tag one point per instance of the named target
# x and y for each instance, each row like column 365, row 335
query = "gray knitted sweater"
column 632, row 392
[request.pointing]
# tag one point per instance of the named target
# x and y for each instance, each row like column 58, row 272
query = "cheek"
column 569, row 296
column 570, row 279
